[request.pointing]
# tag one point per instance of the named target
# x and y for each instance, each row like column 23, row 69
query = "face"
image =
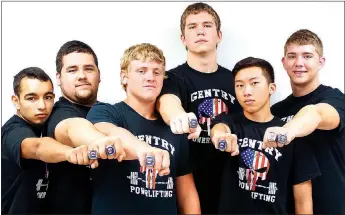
column 302, row 63
column 252, row 89
column 79, row 78
column 35, row 101
column 144, row 79
column 200, row 33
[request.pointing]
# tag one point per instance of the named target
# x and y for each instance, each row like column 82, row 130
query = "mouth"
column 41, row 115
column 249, row 101
column 299, row 73
column 83, row 85
column 201, row 41
column 150, row 86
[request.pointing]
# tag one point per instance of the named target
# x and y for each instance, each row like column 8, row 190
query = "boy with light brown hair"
column 199, row 90
column 123, row 188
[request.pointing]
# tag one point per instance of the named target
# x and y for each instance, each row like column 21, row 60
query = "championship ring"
column 110, row 150
column 222, row 145
column 92, row 154
column 282, row 139
column 193, row 123
column 150, row 161
column 271, row 137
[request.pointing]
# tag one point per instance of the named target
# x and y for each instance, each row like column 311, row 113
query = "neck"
column 206, row 63
column 299, row 90
column 144, row 108
column 262, row 115
column 89, row 104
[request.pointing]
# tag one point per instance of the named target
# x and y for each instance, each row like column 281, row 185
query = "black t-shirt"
column 24, row 182
column 125, row 188
column 328, row 147
column 206, row 95
column 70, row 186
column 255, row 181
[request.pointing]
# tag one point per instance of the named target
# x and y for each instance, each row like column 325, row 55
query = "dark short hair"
column 70, row 47
column 267, row 69
column 32, row 73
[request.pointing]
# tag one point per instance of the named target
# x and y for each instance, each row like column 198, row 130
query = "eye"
column 49, row 97
column 291, row 57
column 157, row 73
column 71, row 70
column 191, row 27
column 30, row 98
column 141, row 71
column 255, row 83
column 239, row 85
column 89, row 69
column 308, row 56
column 208, row 26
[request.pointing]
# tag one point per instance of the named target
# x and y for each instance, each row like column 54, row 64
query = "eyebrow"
column 293, row 53
column 89, row 65
column 249, row 79
column 71, row 67
column 206, row 22
column 30, row 94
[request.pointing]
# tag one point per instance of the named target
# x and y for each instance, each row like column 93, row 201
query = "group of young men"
column 196, row 139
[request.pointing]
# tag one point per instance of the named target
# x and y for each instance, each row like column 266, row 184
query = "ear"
column 322, row 62
column 272, row 88
column 15, row 101
column 283, row 62
column 183, row 40
column 124, row 77
column 220, row 36
column 58, row 76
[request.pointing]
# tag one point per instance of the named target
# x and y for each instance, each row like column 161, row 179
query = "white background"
column 33, row 32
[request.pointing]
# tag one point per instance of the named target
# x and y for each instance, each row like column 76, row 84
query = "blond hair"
column 305, row 37
column 143, row 51
column 197, row 8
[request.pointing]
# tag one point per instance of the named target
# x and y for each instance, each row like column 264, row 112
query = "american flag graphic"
column 258, row 165
column 210, row 108
column 150, row 177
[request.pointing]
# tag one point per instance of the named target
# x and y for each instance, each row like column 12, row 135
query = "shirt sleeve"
column 12, row 142
column 305, row 166
column 103, row 112
column 185, row 164
column 175, row 85
column 335, row 98
column 57, row 116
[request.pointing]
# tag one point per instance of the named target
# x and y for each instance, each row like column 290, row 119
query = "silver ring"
column 282, row 139
column 222, row 145
column 193, row 123
column 110, row 150
column 92, row 154
column 149, row 161
column 271, row 137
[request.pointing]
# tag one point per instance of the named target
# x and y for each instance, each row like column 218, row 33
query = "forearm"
column 75, row 132
column 169, row 106
column 51, row 151
column 304, row 122
column 305, row 207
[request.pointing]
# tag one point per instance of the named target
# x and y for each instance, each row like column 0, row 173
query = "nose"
column 81, row 74
column 299, row 61
column 247, row 90
column 41, row 104
column 200, row 30
column 150, row 76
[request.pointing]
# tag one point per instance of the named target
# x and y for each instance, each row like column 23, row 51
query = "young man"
column 124, row 188
column 78, row 77
column 316, row 111
column 199, row 89
column 23, row 150
column 257, row 180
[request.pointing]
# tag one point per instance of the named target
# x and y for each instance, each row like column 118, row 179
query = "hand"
column 186, row 123
column 277, row 137
column 108, row 148
column 79, row 155
column 161, row 159
column 230, row 139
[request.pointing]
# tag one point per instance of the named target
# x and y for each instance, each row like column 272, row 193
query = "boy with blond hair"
column 316, row 112
column 123, row 188
column 199, row 90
